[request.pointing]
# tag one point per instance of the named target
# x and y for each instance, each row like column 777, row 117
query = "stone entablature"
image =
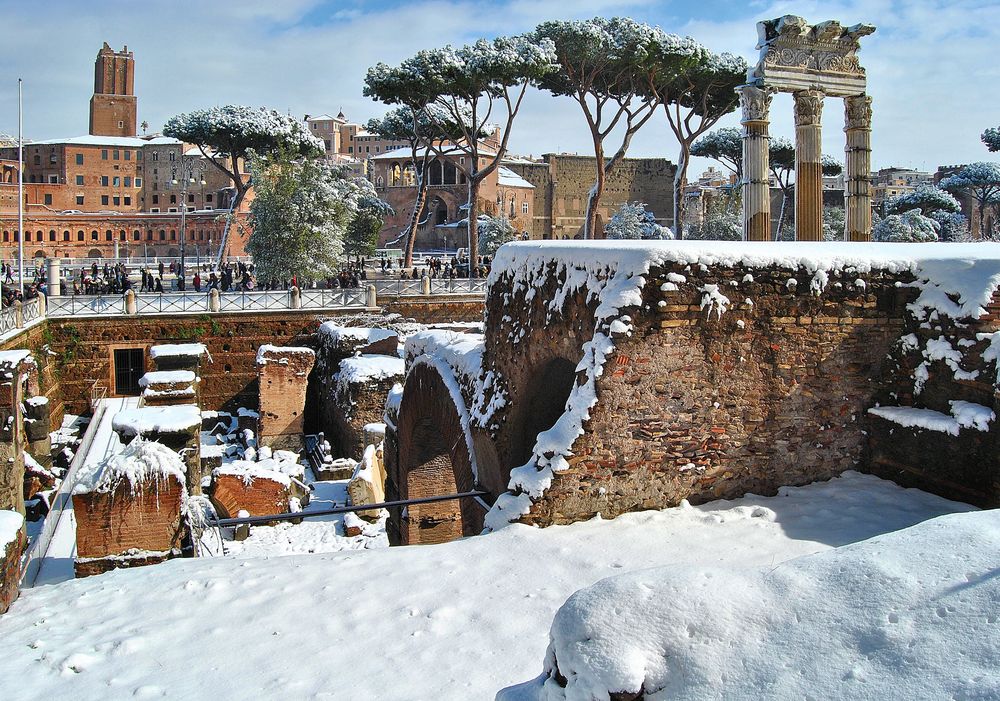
column 795, row 55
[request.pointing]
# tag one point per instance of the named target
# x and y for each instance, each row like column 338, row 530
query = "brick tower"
column 113, row 106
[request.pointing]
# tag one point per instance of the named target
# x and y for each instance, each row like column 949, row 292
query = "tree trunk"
column 781, row 215
column 680, row 179
column 473, row 224
column 418, row 207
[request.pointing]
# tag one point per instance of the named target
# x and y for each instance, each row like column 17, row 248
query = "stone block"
column 258, row 492
column 283, row 374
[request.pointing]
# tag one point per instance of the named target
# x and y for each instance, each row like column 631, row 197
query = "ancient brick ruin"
column 612, row 380
column 283, row 372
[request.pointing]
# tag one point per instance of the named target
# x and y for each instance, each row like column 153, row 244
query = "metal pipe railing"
column 257, row 520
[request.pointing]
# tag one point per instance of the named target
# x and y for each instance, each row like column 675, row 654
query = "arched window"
column 79, row 235
column 52, row 234
column 94, row 235
column 65, row 235
column 163, row 235
column 135, row 235
column 450, row 173
column 108, row 236
column 435, row 175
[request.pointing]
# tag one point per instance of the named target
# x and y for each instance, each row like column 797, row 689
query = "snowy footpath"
column 454, row 621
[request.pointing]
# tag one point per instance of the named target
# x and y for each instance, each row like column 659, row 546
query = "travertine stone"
column 756, row 102
column 857, row 181
column 809, row 165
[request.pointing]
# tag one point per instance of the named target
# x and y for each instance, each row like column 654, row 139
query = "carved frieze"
column 808, row 107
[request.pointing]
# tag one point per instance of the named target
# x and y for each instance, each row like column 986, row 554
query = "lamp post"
column 188, row 170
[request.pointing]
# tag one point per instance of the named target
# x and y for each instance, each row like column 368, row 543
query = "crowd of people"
column 112, row 278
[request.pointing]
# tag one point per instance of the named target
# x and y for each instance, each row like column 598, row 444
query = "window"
column 173, row 156
column 65, row 235
column 135, row 235
column 138, row 182
column 38, row 160
column 94, row 236
column 121, row 124
column 128, row 155
column 156, row 199
column 128, row 201
column 104, row 181
column 17, row 236
column 79, row 159
column 173, row 199
column 116, row 181
column 138, row 155
column 128, row 181
column 116, row 201
column 79, row 180
column 6, row 236
column 156, row 157
column 52, row 235
column 79, row 236
column 129, row 365
column 208, row 198
column 190, row 198
column 149, row 234
column 48, row 198
column 524, row 207
column 163, row 235
column 53, row 180
column 104, row 200
column 108, row 236
column 79, row 200
column 104, row 154
column 154, row 210
column 173, row 235
column 121, row 235
column 116, row 154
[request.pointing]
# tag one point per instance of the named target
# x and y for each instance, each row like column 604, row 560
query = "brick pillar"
column 756, row 188
column 857, row 181
column 808, row 165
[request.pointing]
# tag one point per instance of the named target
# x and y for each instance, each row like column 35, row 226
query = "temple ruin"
column 812, row 62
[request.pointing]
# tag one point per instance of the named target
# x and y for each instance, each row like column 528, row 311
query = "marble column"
column 808, row 165
column 756, row 102
column 857, row 172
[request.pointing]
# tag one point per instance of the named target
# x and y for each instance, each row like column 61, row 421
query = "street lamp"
column 189, row 168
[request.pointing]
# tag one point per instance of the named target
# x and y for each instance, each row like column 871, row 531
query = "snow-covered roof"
column 508, row 178
column 369, row 368
column 267, row 352
column 338, row 334
column 166, row 377
column 90, row 140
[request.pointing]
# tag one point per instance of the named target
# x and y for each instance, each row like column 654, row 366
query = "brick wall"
column 434, row 310
column 693, row 405
column 260, row 497
column 10, row 570
column 146, row 519
column 282, row 376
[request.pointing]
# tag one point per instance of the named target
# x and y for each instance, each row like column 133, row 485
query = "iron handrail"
column 257, row 520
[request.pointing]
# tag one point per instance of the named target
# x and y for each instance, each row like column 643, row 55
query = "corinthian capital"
column 756, row 102
column 808, row 107
column 858, row 112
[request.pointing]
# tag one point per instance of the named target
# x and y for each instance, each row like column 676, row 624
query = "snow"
column 11, row 523
column 248, row 471
column 140, row 463
column 908, row 615
column 37, row 401
column 463, row 352
column 172, row 350
column 963, row 415
column 10, row 358
column 364, row 369
column 89, row 140
column 167, row 377
column 458, row 620
column 159, row 419
column 265, row 352
column 337, row 334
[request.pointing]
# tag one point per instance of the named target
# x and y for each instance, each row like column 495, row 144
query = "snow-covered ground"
column 454, row 621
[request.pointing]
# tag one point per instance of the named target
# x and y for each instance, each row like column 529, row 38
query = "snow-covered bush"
column 908, row 227
column 494, row 232
column 954, row 225
column 927, row 198
column 725, row 227
column 833, row 223
column 633, row 221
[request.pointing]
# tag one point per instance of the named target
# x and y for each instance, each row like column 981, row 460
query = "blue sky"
column 932, row 65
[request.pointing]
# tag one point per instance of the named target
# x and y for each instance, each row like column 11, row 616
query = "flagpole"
column 20, row 191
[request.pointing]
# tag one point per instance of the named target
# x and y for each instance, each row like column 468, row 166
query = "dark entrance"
column 544, row 402
column 130, row 365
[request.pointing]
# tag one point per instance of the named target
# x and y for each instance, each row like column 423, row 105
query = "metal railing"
column 84, row 305
column 398, row 288
column 458, row 285
column 8, row 320
column 157, row 303
column 254, row 301
column 336, row 297
column 30, row 311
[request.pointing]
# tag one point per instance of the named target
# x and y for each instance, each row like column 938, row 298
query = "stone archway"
column 542, row 402
column 433, row 460
column 94, row 253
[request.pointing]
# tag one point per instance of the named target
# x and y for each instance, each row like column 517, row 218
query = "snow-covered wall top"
column 368, row 368
column 173, row 350
column 463, row 352
column 337, row 333
column 266, row 353
column 166, row 377
column 10, row 525
column 970, row 271
column 160, row 419
column 140, row 463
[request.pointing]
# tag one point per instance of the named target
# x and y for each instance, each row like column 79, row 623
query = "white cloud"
column 928, row 66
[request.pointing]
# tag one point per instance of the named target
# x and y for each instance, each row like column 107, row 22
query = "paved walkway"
column 56, row 564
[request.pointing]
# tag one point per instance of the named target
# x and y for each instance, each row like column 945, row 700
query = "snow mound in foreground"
column 911, row 614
